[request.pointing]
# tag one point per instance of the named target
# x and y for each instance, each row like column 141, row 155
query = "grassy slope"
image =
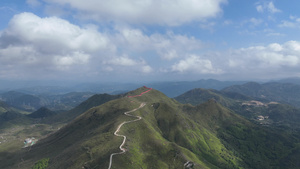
column 168, row 135
column 280, row 115
column 15, row 127
column 199, row 96
column 93, row 101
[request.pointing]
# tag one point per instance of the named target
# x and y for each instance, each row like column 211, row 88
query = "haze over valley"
column 130, row 84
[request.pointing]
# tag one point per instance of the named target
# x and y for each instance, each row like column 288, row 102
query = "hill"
column 286, row 93
column 169, row 88
column 293, row 80
column 31, row 103
column 23, row 101
column 258, row 110
column 200, row 95
column 11, row 119
column 42, row 112
column 11, row 116
column 173, row 89
column 4, row 107
column 168, row 135
column 91, row 102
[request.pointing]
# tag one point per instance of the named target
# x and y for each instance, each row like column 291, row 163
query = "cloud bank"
column 51, row 47
column 35, row 46
column 167, row 12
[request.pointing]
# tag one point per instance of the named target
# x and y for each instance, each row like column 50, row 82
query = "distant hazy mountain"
column 67, row 101
column 12, row 119
column 30, row 102
column 169, row 135
column 280, row 92
column 4, row 107
column 23, row 101
column 45, row 90
column 295, row 80
column 11, row 116
column 173, row 89
column 42, row 113
column 93, row 101
column 259, row 110
column 200, row 95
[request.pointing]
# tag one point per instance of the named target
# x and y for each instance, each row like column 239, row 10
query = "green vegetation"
column 199, row 96
column 93, row 101
column 42, row 112
column 168, row 135
column 30, row 102
column 42, row 164
column 280, row 116
column 283, row 93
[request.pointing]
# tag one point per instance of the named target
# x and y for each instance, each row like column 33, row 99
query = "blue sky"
column 149, row 40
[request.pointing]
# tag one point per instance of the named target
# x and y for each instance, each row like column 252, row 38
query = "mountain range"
column 287, row 93
column 214, row 132
column 32, row 102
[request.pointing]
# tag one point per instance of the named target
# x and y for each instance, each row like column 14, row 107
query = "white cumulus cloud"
column 147, row 69
column 33, row 45
column 168, row 46
column 267, row 6
column 39, row 44
column 122, row 61
column 271, row 8
column 294, row 22
column 167, row 12
column 195, row 64
column 57, row 33
column 261, row 60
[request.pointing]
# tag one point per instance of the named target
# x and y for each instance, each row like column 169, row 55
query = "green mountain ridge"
column 91, row 102
column 31, row 103
column 168, row 135
column 263, row 112
column 285, row 93
column 42, row 112
column 200, row 95
column 11, row 116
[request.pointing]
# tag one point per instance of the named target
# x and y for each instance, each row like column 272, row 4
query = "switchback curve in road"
column 123, row 150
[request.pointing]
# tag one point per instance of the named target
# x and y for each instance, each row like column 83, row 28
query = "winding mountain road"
column 123, row 150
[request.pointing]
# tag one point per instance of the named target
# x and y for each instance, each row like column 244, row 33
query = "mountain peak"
column 156, row 132
column 42, row 113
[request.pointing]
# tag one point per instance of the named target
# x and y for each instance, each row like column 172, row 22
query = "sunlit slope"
column 281, row 116
column 168, row 135
column 70, row 115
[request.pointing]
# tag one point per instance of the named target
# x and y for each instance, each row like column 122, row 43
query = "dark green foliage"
column 13, row 118
column 279, row 115
column 259, row 148
column 42, row 164
column 4, row 107
column 168, row 135
column 42, row 113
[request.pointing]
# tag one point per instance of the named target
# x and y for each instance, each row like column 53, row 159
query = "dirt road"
column 123, row 150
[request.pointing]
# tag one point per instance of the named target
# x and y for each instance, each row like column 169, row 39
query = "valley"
column 149, row 84
column 208, row 129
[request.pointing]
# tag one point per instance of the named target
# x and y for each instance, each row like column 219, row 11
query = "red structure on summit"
column 142, row 92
